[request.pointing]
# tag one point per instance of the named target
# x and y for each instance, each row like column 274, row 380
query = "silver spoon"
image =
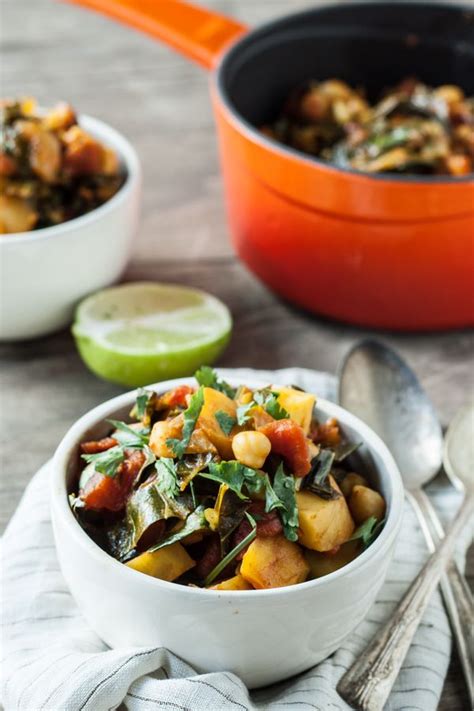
column 381, row 389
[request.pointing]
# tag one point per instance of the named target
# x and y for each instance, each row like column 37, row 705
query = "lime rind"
column 130, row 335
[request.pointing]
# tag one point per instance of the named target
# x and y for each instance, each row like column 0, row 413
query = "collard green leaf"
column 190, row 465
column 196, row 521
column 368, row 531
column 167, row 477
column 191, row 414
column 208, row 377
column 106, row 462
column 147, row 505
column 231, row 513
column 344, row 450
column 284, row 488
column 317, row 480
column 225, row 421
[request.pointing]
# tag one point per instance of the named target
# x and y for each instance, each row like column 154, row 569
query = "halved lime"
column 139, row 333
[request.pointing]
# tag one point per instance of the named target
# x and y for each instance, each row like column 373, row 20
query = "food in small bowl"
column 228, row 489
column 51, row 169
column 69, row 225
column 412, row 129
column 263, row 635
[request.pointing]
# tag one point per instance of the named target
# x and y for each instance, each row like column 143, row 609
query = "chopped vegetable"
column 413, row 128
column 323, row 524
column 274, row 563
column 288, row 439
column 51, row 169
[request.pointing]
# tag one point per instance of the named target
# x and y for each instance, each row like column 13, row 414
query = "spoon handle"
column 367, row 684
column 456, row 593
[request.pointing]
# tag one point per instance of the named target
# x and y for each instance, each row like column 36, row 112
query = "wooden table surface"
column 160, row 101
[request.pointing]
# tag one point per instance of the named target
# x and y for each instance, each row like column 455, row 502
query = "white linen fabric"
column 52, row 660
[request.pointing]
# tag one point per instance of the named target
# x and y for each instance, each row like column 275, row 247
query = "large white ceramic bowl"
column 263, row 636
column 45, row 272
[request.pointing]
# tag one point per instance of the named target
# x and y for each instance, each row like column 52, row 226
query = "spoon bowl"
column 378, row 386
column 458, row 456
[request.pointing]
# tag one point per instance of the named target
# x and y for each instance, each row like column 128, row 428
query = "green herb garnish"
column 234, row 475
column 128, row 436
column 368, row 531
column 178, row 446
column 167, row 479
column 106, row 462
column 208, row 377
column 267, row 399
column 226, row 422
column 284, row 489
column 140, row 404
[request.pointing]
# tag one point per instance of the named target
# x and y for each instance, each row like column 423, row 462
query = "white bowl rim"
column 128, row 156
column 60, row 502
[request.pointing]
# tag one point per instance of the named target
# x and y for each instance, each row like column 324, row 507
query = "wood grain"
column 160, row 101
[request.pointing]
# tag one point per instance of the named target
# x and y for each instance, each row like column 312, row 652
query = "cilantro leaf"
column 273, row 407
column 266, row 399
column 368, row 531
column 106, row 462
column 226, row 421
column 140, row 404
column 208, row 377
column 234, row 475
column 128, row 436
column 167, row 479
column 242, row 413
column 284, row 489
column 317, row 480
column 178, row 446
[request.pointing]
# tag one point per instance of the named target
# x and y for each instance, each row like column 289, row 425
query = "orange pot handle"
column 195, row 32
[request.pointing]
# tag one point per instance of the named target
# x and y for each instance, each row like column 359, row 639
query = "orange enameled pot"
column 385, row 251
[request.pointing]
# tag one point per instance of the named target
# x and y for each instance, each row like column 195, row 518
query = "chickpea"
column 450, row 93
column 251, row 448
column 365, row 502
column 350, row 480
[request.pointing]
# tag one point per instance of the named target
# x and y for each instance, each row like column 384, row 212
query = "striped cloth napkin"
column 53, row 661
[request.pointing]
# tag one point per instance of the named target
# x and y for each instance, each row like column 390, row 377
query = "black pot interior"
column 374, row 45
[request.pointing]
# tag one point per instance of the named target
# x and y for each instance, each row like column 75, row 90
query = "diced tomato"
column 111, row 493
column 100, row 445
column 289, row 440
column 176, row 397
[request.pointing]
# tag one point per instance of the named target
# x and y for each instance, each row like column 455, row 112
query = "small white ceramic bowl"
column 263, row 636
column 45, row 272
